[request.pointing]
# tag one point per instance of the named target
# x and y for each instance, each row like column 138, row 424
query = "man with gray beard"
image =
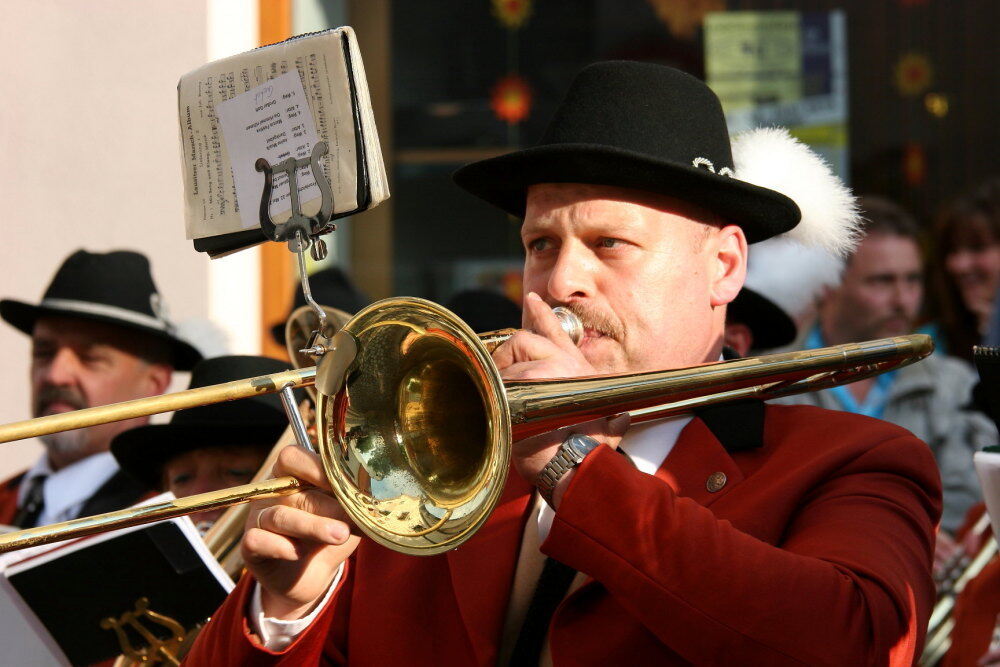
column 100, row 335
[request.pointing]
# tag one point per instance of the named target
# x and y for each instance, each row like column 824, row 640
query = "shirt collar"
column 67, row 488
column 649, row 444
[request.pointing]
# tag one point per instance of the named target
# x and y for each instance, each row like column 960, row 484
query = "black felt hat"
column 330, row 287
column 114, row 287
column 642, row 126
column 770, row 325
column 257, row 420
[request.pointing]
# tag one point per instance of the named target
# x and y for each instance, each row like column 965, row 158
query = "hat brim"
column 22, row 316
column 770, row 325
column 503, row 181
column 143, row 451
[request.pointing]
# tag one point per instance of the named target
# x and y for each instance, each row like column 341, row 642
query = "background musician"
column 775, row 534
column 100, row 335
column 880, row 295
column 209, row 447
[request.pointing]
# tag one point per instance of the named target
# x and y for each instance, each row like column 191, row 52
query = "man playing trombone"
column 748, row 533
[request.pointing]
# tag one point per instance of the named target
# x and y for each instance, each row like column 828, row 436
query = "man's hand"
column 543, row 350
column 293, row 545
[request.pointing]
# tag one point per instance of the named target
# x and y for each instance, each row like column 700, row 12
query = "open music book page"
column 276, row 102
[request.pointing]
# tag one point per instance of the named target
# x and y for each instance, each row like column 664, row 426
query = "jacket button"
column 715, row 482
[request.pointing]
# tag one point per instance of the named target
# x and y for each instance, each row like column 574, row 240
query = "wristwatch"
column 573, row 450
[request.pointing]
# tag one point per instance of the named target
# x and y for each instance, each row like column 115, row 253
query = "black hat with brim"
column 256, row 421
column 641, row 126
column 144, row 451
column 770, row 325
column 113, row 288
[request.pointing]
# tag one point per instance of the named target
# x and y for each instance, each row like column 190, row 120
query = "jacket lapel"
column 121, row 490
column 699, row 456
column 693, row 467
column 482, row 569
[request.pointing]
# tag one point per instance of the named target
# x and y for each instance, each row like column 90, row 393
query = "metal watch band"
column 567, row 458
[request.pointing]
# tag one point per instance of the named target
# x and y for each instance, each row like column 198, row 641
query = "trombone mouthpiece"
column 570, row 323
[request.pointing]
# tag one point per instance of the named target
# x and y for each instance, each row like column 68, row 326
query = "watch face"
column 582, row 445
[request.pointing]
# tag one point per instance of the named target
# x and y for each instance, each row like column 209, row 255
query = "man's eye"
column 240, row 472
column 539, row 244
column 610, row 243
column 178, row 480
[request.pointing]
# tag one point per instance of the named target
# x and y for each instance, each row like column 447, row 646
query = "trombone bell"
column 417, row 443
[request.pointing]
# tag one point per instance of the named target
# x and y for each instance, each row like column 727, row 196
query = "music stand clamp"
column 301, row 231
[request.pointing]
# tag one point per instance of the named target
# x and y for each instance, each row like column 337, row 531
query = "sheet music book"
column 53, row 600
column 276, row 102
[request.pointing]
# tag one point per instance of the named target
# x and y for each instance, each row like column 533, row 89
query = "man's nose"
column 572, row 275
column 906, row 297
column 63, row 369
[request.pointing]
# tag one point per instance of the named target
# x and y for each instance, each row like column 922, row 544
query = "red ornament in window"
column 510, row 99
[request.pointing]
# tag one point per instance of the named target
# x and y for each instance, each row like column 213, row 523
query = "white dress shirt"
column 66, row 490
column 646, row 444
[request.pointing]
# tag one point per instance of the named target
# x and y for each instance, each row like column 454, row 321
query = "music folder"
column 276, row 102
column 63, row 594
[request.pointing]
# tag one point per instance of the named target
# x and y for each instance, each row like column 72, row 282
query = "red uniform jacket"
column 975, row 617
column 8, row 499
column 816, row 550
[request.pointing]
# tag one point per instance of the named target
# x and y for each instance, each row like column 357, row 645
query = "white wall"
column 89, row 156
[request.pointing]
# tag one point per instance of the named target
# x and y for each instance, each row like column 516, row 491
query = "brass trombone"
column 415, row 424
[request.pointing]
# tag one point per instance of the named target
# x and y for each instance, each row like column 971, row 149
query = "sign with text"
column 783, row 68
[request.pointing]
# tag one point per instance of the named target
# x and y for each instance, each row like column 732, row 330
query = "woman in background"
column 967, row 264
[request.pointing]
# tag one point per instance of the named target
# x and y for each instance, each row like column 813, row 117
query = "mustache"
column 49, row 395
column 597, row 320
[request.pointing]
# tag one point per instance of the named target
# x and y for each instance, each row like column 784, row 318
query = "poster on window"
column 783, row 68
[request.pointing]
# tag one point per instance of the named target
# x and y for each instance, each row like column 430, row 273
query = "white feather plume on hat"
column 772, row 158
column 791, row 275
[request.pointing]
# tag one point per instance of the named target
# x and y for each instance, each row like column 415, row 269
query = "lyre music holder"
column 156, row 649
column 301, row 231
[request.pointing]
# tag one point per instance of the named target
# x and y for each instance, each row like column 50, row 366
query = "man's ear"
column 739, row 337
column 729, row 259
